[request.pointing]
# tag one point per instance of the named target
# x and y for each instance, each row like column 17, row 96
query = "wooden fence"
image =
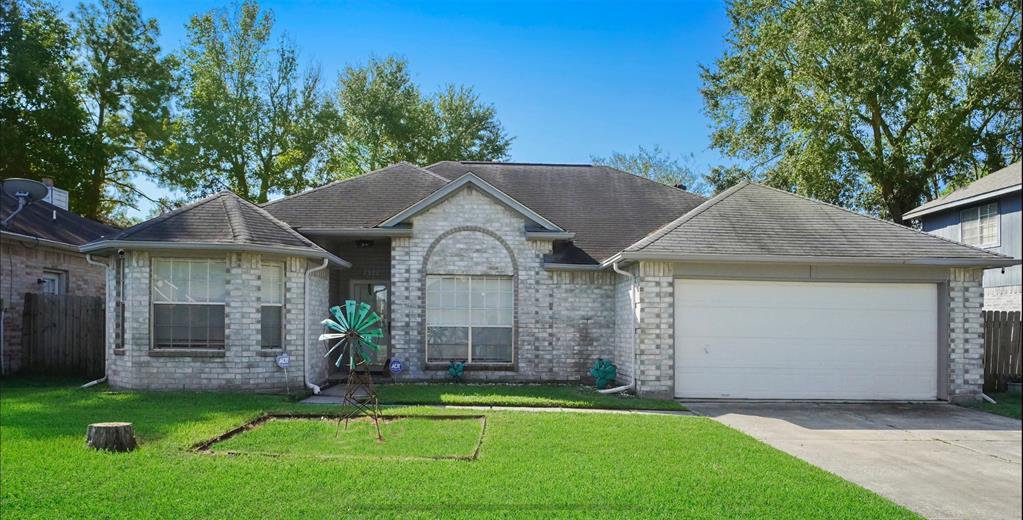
column 1001, row 348
column 64, row 335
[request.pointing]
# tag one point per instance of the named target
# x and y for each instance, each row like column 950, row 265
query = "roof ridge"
column 239, row 228
column 160, row 218
column 888, row 222
column 658, row 183
column 687, row 216
column 349, row 179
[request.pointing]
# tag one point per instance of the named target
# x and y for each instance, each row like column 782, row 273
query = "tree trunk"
column 111, row 436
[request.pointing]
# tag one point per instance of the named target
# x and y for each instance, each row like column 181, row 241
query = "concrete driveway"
column 940, row 460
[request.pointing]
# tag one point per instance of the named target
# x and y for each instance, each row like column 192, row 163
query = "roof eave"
column 921, row 211
column 108, row 245
column 355, row 232
column 626, row 256
column 42, row 241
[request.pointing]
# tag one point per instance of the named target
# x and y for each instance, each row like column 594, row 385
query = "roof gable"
column 1006, row 180
column 463, row 182
column 757, row 222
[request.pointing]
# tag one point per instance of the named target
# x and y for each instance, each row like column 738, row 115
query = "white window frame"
column 280, row 305
column 469, row 325
column 59, row 281
column 153, row 303
column 977, row 213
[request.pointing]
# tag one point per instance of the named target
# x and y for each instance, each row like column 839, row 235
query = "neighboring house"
column 530, row 272
column 984, row 214
column 39, row 254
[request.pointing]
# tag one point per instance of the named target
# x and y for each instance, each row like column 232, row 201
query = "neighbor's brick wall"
column 563, row 320
column 1007, row 298
column 966, row 334
column 242, row 365
column 21, row 266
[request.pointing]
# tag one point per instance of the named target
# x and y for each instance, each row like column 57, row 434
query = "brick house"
column 39, row 254
column 529, row 272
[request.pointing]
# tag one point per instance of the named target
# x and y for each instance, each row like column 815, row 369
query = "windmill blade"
column 370, row 321
column 360, row 315
column 332, row 349
column 339, row 316
column 370, row 344
column 350, row 311
column 333, row 325
column 373, row 334
column 326, row 336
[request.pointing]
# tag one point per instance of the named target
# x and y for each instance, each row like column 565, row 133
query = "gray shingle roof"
column 360, row 202
column 48, row 222
column 607, row 209
column 223, row 219
column 750, row 220
column 995, row 182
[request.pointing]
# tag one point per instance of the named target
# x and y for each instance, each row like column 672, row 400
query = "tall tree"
column 41, row 119
column 657, row 165
column 385, row 118
column 873, row 104
column 251, row 120
column 126, row 88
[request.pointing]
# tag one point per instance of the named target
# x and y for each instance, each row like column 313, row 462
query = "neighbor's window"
column 271, row 321
column 469, row 318
column 979, row 225
column 188, row 303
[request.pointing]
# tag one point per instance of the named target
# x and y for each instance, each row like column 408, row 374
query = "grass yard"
column 563, row 396
column 1008, row 405
column 529, row 465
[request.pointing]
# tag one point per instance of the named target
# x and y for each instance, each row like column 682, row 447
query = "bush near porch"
column 530, row 464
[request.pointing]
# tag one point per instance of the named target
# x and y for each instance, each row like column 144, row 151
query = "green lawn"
column 565, row 396
column 530, row 464
column 1008, row 405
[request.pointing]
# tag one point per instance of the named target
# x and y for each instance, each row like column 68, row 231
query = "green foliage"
column 657, row 165
column 41, row 120
column 385, row 118
column 456, row 369
column 251, row 120
column 871, row 104
column 605, row 372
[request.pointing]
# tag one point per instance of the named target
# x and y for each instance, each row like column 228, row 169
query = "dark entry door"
column 377, row 294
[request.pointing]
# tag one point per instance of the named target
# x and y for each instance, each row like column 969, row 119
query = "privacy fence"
column 63, row 335
column 1001, row 349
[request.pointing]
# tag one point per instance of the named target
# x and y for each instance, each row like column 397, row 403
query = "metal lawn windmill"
column 357, row 329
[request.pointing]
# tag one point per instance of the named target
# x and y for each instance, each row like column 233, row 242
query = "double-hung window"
column 469, row 318
column 979, row 225
column 271, row 310
column 188, row 303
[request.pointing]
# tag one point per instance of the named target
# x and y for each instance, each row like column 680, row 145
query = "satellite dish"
column 26, row 191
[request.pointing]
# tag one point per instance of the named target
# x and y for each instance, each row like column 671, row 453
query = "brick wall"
column 21, row 266
column 242, row 365
column 966, row 334
column 563, row 320
column 655, row 329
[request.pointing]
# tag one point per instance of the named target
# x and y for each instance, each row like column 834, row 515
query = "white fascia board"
column 945, row 262
column 962, row 202
column 103, row 245
column 453, row 186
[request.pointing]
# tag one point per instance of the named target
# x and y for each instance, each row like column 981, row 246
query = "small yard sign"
column 283, row 360
column 394, row 366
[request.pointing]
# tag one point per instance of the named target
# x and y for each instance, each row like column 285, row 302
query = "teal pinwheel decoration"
column 357, row 329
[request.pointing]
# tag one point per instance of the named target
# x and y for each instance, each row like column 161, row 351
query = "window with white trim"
column 979, row 225
column 271, row 310
column 188, row 303
column 53, row 282
column 469, row 318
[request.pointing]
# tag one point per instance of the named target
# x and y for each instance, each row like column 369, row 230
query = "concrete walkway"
column 940, row 460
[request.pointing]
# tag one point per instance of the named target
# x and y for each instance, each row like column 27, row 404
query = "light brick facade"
column 563, row 321
column 242, row 365
column 21, row 266
column 966, row 334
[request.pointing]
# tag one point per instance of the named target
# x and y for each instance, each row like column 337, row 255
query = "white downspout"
column 105, row 266
column 305, row 331
column 635, row 335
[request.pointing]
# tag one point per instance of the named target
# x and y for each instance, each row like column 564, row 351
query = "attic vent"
column 681, row 186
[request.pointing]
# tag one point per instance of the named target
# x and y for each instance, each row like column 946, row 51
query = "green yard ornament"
column 357, row 329
column 456, row 369
column 605, row 372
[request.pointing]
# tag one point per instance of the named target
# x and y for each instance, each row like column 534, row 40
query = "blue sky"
column 569, row 80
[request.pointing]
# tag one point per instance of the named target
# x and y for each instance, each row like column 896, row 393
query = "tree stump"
column 111, row 436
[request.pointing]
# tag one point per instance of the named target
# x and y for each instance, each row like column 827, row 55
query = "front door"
column 376, row 293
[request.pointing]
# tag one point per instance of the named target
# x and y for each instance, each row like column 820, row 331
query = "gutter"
column 919, row 212
column 214, row 246
column 41, row 241
column 355, row 232
column 635, row 335
column 107, row 267
column 1000, row 261
column 305, row 330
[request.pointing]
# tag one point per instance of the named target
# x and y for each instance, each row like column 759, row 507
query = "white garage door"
column 805, row 340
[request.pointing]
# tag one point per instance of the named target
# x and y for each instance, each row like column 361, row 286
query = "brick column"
column 966, row 334
column 655, row 328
